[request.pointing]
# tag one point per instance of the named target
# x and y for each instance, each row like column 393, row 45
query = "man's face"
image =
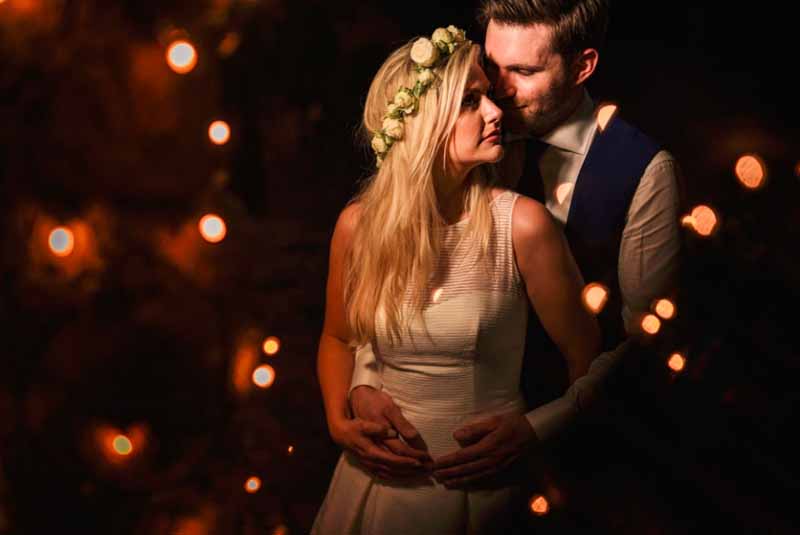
column 532, row 83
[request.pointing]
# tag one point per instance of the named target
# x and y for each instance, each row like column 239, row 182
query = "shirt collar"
column 575, row 134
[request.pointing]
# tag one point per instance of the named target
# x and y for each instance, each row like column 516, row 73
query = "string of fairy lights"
column 65, row 241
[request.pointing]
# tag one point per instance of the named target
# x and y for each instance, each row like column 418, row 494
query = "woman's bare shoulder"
column 347, row 222
column 531, row 221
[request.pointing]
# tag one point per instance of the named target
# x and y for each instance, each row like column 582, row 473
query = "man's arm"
column 650, row 251
column 365, row 369
column 649, row 260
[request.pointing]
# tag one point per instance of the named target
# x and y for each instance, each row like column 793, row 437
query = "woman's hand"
column 362, row 438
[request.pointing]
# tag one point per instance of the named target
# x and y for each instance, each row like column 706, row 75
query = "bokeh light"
column 290, row 450
column 252, row 484
column 181, row 56
column 271, row 345
column 703, row 220
column 61, row 241
column 539, row 505
column 751, row 171
column 676, row 362
column 190, row 526
column 264, row 376
column 219, row 132
column 212, row 228
column 229, row 44
column 604, row 115
column 665, row 309
column 437, row 294
column 595, row 297
column 651, row 324
column 122, row 445
column 562, row 192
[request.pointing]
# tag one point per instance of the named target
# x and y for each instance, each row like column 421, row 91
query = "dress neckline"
column 463, row 220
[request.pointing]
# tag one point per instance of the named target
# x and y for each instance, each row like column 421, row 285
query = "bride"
column 433, row 266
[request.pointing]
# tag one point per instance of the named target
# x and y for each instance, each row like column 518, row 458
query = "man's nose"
column 502, row 89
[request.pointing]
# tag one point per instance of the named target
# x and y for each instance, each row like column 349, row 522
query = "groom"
column 613, row 189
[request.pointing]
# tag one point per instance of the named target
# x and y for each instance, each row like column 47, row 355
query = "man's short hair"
column 577, row 24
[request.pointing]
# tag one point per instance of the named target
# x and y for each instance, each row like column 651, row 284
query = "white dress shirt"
column 648, row 256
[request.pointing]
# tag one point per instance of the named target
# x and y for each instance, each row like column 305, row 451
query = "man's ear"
column 584, row 65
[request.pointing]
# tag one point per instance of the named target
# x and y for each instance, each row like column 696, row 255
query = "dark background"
column 147, row 325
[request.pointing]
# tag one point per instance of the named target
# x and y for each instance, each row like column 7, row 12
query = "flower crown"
column 427, row 54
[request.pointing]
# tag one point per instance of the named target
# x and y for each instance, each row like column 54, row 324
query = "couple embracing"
column 495, row 197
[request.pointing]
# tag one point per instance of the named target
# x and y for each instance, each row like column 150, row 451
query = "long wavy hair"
column 395, row 244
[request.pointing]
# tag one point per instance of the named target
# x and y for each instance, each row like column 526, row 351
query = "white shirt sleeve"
column 649, row 254
column 366, row 369
column 552, row 418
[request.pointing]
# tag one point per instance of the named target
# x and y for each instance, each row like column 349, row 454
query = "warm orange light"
column 252, row 485
column 751, row 171
column 219, row 132
column 61, row 241
column 688, row 221
column 704, row 220
column 604, row 115
column 229, row 44
column 212, row 228
column 676, row 362
column 271, row 345
column 665, row 308
column 651, row 324
column 595, row 297
column 290, row 450
column 797, row 169
column 264, row 376
column 437, row 294
column 539, row 505
column 281, row 529
column 562, row 192
column 122, row 445
column 190, row 526
column 181, row 56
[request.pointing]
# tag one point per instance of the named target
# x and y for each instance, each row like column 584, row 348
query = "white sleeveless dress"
column 464, row 368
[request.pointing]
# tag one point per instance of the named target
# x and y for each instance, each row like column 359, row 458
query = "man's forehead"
column 516, row 43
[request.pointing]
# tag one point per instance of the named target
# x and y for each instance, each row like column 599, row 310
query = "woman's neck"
column 450, row 196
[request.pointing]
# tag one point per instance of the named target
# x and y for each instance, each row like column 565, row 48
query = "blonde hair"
column 395, row 244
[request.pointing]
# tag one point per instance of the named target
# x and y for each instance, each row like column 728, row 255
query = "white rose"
column 404, row 100
column 378, row 144
column 423, row 52
column 458, row 34
column 441, row 34
column 426, row 76
column 393, row 128
column 391, row 109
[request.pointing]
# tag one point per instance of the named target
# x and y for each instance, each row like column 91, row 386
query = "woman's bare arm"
column 554, row 285
column 335, row 357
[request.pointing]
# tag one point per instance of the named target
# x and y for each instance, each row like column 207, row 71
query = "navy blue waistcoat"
column 601, row 197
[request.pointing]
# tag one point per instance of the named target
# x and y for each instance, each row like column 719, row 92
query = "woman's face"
column 476, row 136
